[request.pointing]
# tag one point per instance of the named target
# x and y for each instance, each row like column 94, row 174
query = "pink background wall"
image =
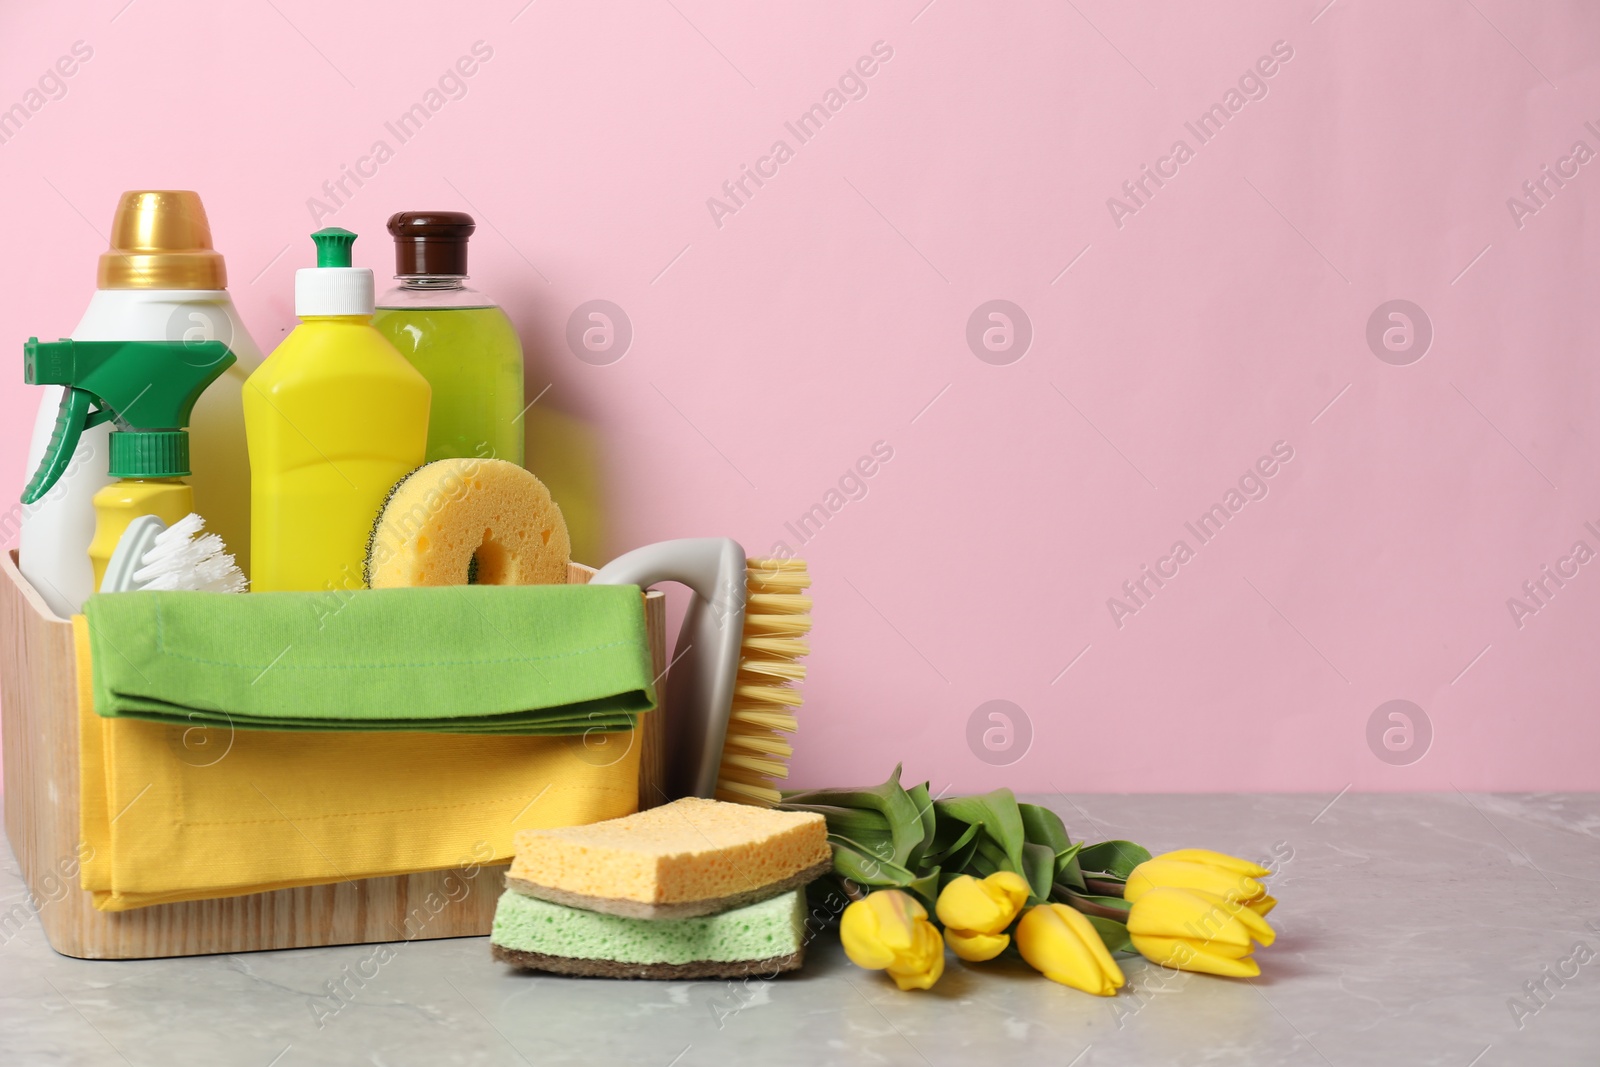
column 1227, row 313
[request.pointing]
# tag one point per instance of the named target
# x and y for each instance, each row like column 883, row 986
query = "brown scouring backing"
column 538, row 961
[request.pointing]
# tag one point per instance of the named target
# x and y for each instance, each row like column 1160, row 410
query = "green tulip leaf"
column 981, row 865
column 858, row 864
column 1116, row 858
column 1039, row 868
column 990, row 857
column 947, row 827
column 997, row 813
column 919, row 796
column 864, row 827
column 924, row 802
column 1044, row 827
column 1068, row 859
column 888, row 800
column 1068, row 872
column 926, row 889
column 954, row 854
column 1114, row 934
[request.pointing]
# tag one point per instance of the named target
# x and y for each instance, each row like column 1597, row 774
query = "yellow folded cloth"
column 171, row 813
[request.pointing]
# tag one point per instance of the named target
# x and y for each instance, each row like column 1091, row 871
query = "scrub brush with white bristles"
column 733, row 680
column 153, row 556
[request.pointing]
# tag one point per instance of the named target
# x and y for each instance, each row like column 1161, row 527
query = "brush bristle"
column 776, row 647
column 776, row 625
column 777, row 616
column 183, row 558
column 764, row 720
column 786, row 669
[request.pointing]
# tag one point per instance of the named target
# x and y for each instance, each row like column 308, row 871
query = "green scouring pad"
column 758, row 939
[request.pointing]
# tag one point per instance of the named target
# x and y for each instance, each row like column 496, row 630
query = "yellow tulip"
column 1192, row 930
column 1210, row 872
column 1061, row 944
column 890, row 931
column 1216, row 859
column 976, row 913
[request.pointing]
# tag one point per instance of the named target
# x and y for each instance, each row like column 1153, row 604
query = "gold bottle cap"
column 160, row 239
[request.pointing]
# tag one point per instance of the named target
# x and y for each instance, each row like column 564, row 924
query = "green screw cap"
column 333, row 246
column 150, row 454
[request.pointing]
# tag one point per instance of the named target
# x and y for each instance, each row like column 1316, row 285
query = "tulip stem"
column 1089, row 907
column 1103, row 887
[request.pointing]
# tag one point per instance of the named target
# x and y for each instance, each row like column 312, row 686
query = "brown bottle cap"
column 160, row 239
column 430, row 242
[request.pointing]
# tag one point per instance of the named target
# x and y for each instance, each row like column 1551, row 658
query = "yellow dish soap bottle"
column 458, row 338
column 149, row 388
column 334, row 418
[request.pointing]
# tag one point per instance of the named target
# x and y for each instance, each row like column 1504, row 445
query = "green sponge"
column 761, row 938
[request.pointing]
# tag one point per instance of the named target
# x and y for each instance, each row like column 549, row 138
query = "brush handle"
column 128, row 557
column 700, row 675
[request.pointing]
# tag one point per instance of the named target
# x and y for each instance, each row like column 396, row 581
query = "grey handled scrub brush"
column 734, row 677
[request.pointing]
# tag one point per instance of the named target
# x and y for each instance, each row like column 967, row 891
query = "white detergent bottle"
column 160, row 281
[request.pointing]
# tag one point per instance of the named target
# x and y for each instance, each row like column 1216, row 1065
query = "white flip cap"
column 333, row 291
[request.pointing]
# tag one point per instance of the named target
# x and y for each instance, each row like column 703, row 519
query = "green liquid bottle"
column 458, row 338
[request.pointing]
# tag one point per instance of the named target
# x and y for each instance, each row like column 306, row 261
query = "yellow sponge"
column 454, row 518
column 690, row 857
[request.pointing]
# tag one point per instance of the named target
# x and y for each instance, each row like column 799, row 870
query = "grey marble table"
column 1410, row 927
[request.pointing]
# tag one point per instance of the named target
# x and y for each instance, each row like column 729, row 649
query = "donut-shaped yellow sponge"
column 456, row 521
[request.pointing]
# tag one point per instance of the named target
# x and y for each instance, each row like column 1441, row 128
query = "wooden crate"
column 39, row 730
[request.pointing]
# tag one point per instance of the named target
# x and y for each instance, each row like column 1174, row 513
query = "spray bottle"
column 147, row 389
column 161, row 279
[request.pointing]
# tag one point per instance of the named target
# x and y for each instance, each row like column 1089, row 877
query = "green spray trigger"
column 148, row 387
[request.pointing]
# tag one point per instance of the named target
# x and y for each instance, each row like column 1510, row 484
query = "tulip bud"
column 1209, row 872
column 1216, row 859
column 976, row 913
column 1192, row 930
column 1061, row 944
column 890, row 931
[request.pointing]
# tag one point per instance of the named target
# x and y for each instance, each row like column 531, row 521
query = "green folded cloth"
column 534, row 659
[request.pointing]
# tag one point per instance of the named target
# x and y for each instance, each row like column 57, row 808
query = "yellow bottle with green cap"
column 334, row 418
